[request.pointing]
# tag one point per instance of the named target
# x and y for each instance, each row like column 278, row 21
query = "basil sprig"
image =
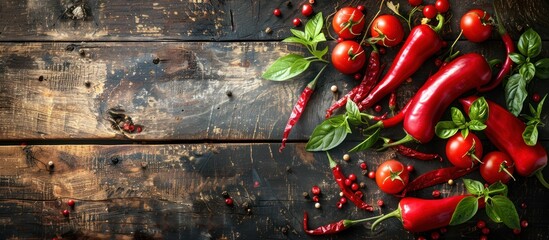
column 478, row 115
column 498, row 207
column 293, row 64
column 530, row 134
column 529, row 46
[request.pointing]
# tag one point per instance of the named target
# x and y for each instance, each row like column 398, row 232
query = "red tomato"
column 430, row 11
column 498, row 166
column 348, row 22
column 307, row 9
column 389, row 28
column 391, row 176
column 476, row 25
column 462, row 152
column 442, row 6
column 414, row 3
column 348, row 57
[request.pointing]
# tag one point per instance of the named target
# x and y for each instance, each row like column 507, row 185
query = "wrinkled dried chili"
column 409, row 152
column 332, row 228
column 297, row 111
column 438, row 176
column 348, row 193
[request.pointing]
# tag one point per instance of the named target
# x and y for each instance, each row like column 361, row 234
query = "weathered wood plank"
column 168, row 191
column 162, row 20
column 49, row 92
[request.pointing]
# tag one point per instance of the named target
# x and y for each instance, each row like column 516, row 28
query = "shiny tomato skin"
column 348, row 22
column 307, row 9
column 430, row 11
column 414, row 3
column 390, row 26
column 442, row 6
column 348, row 57
column 475, row 25
column 490, row 169
column 392, row 176
column 457, row 149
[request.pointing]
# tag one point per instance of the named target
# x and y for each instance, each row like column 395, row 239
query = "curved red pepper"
column 462, row 74
column 422, row 43
column 504, row 130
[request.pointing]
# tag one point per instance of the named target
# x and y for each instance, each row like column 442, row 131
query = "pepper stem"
column 405, row 139
column 312, row 84
column 348, row 223
column 378, row 124
column 333, row 164
column 440, row 24
column 396, row 213
column 541, row 179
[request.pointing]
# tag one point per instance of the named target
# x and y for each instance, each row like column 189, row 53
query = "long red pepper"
column 422, row 43
column 297, row 111
column 420, row 215
column 504, row 130
column 409, row 152
column 462, row 74
column 348, row 193
column 434, row 177
column 332, row 228
column 392, row 121
column 369, row 79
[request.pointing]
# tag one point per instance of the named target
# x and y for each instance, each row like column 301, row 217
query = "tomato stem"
column 503, row 167
column 371, row 22
column 541, row 179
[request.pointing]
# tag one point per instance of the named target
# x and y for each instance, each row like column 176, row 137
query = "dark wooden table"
column 168, row 66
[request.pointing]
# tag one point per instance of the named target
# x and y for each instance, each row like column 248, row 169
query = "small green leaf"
column 540, row 107
column 314, row 26
column 457, row 117
column 352, row 110
column 529, row 43
column 286, row 67
column 320, row 54
column 446, row 129
column 517, row 58
column 319, row 38
column 479, row 110
column 295, row 40
column 498, row 188
column 506, row 210
column 473, row 187
column 527, row 70
column 542, row 68
column 368, row 142
column 465, row 210
column 476, row 125
column 337, row 120
column 465, row 132
column 491, row 212
column 393, row 7
column 327, row 135
column 298, row 33
column 530, row 135
column 515, row 93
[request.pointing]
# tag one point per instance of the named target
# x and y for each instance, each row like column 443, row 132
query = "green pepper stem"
column 440, row 24
column 396, row 213
column 333, row 164
column 347, row 223
column 378, row 124
column 541, row 179
column 405, row 139
column 312, row 84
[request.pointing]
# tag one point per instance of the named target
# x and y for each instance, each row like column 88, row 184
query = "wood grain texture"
column 174, row 191
column 210, row 20
column 49, row 92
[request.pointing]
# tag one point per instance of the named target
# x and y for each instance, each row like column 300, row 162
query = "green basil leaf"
column 517, row 58
column 528, row 71
column 476, row 125
column 314, row 26
column 532, row 110
column 457, row 117
column 506, row 210
column 530, row 135
column 298, row 33
column 295, row 40
column 540, row 107
column 368, row 142
column 446, row 129
column 286, row 67
column 529, row 43
column 491, row 212
column 542, row 68
column 515, row 93
column 473, row 187
column 320, row 54
column 327, row 135
column 465, row 210
column 337, row 120
column 465, row 132
column 352, row 110
column 319, row 38
column 498, row 188
column 479, row 110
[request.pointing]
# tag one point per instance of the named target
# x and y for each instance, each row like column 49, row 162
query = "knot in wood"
column 115, row 159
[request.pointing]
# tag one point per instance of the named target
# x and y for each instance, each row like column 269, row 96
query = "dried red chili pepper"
column 369, row 78
column 348, row 193
column 298, row 108
column 434, row 177
column 332, row 227
column 505, row 130
column 408, row 152
column 422, row 43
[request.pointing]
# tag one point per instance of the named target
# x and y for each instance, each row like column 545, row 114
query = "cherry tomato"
column 464, row 152
column 389, row 28
column 498, row 166
column 430, row 11
column 361, row 8
column 442, row 6
column 476, row 25
column 392, row 176
column 296, row 22
column 414, row 3
column 348, row 57
column 348, row 22
column 307, row 10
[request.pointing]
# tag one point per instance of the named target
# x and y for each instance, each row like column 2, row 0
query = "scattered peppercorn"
column 229, row 93
column 315, row 198
column 485, row 231
column 346, row 157
column 50, row 164
column 115, row 159
column 333, row 88
column 359, row 194
column 536, row 97
column 277, row 12
column 450, row 182
column 382, row 50
column 156, row 60
column 372, row 174
column 348, row 182
column 523, row 205
column 363, row 166
column 339, row 205
column 380, row 203
column 481, row 224
column 378, row 108
column 41, row 78
column 410, row 168
column 306, row 10
column 524, row 223
column 443, row 230
column 483, row 237
column 436, row 193
column 421, row 238
column 229, row 201
column 354, row 186
column 87, row 84
column 296, row 22
column 71, row 203
column 317, row 205
column 435, row 235
column 305, row 194
column 352, row 177
column 516, row 231
column 315, row 190
column 341, row 194
column 343, row 200
column 65, row 213
column 357, row 76
column 268, row 30
column 362, row 185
